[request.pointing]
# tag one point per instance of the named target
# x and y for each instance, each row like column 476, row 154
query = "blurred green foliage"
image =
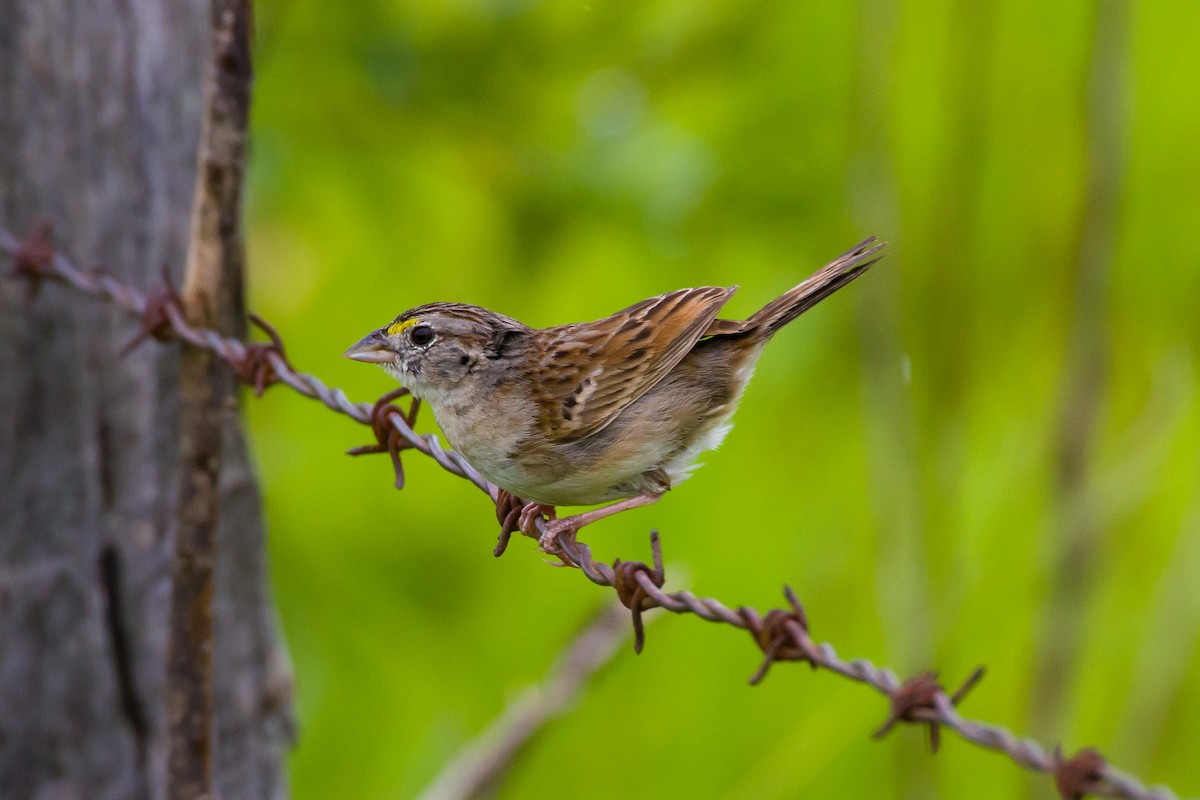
column 899, row 457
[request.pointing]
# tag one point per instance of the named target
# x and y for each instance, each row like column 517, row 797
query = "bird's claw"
column 551, row 529
column 527, row 522
column 556, row 528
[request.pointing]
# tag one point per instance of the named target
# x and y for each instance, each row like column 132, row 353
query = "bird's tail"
column 822, row 283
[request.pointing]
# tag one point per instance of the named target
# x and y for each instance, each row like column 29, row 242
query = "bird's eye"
column 422, row 335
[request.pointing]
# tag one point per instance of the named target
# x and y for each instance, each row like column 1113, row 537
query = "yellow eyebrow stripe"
column 400, row 327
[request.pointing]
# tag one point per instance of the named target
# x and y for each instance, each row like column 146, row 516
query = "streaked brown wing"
column 725, row 327
column 594, row 370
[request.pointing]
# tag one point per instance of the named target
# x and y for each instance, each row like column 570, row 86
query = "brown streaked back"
column 592, row 371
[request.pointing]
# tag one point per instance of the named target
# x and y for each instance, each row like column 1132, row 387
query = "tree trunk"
column 100, row 108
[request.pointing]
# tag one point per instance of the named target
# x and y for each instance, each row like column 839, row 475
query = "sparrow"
column 613, row 411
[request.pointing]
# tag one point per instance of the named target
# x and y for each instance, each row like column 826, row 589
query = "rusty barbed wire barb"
column 1077, row 776
column 32, row 264
column 508, row 514
column 782, row 634
column 255, row 369
column 162, row 305
column 625, row 580
column 914, row 702
column 917, row 701
column 33, row 257
column 387, row 437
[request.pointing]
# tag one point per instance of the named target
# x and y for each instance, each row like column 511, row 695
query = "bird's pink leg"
column 576, row 521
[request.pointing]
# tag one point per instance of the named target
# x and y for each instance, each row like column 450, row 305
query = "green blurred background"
column 986, row 451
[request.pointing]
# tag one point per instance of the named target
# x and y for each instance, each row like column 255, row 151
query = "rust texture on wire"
column 781, row 634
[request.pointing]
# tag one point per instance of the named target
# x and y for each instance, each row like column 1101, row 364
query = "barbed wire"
column 781, row 634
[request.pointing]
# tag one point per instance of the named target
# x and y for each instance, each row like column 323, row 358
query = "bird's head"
column 433, row 348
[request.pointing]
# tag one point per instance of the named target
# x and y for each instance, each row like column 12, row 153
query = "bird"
column 611, row 413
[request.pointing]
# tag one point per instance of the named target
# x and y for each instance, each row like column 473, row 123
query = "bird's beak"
column 371, row 349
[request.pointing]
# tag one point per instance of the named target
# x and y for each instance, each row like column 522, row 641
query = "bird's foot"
column 527, row 523
column 558, row 527
column 573, row 523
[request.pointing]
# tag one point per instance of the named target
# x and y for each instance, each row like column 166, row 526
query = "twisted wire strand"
column 783, row 635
